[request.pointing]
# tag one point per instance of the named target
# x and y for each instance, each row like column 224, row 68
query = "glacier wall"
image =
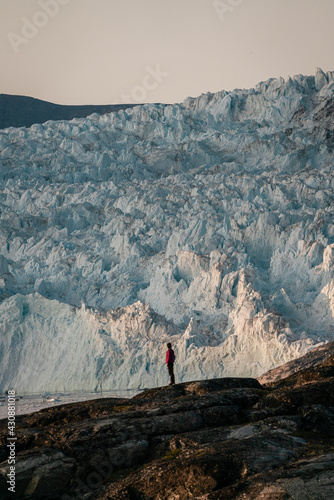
column 208, row 223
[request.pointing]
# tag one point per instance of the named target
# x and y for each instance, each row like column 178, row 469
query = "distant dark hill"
column 21, row 111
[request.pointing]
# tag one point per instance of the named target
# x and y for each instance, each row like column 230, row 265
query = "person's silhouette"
column 170, row 358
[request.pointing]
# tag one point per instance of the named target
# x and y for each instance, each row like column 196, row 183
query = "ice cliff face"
column 208, row 223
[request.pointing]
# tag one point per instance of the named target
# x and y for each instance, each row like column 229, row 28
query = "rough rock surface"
column 210, row 440
column 208, row 223
column 312, row 359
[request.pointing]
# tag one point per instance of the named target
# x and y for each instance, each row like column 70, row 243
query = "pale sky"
column 109, row 51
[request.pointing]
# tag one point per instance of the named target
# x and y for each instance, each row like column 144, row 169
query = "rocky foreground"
column 215, row 439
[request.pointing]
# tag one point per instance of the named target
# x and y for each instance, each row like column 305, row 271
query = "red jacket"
column 170, row 356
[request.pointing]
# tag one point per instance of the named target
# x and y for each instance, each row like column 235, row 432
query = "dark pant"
column 171, row 372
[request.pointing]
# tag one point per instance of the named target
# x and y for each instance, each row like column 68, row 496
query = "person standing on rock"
column 170, row 358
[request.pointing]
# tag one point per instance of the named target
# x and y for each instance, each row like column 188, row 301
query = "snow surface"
column 208, row 224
